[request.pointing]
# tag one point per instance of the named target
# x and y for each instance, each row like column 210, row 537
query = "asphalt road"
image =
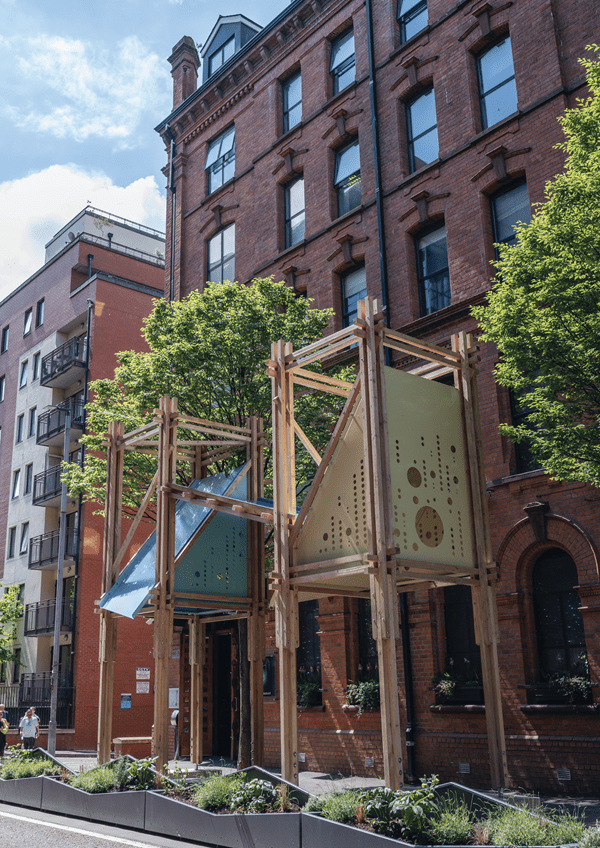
column 34, row 829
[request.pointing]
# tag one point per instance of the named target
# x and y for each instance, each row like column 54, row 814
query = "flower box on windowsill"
column 546, row 694
column 464, row 694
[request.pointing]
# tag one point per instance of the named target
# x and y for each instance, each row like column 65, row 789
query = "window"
column 221, row 255
column 462, row 651
column 31, row 426
column 292, row 101
column 520, row 412
column 497, row 87
column 16, row 483
column 4, row 342
column 421, row 124
column 28, row 321
column 39, row 313
column 558, row 620
column 347, row 178
column 220, row 56
column 19, row 437
column 36, row 365
column 24, row 543
column 342, row 64
column 220, row 159
column 434, row 279
column 2, row 387
column 28, row 478
column 23, row 374
column 308, row 655
column 16, row 666
column 412, row 17
column 367, row 647
column 354, row 288
column 12, row 537
column 294, row 212
column 508, row 209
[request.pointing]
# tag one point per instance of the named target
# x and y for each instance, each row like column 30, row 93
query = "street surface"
column 35, row 829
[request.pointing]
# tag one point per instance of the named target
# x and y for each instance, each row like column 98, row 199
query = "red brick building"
column 383, row 147
column 60, row 330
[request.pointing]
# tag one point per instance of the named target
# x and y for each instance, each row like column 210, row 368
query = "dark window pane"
column 347, row 162
column 496, row 65
column 292, row 102
column 500, row 103
column 509, row 209
column 497, row 86
column 423, row 144
column 412, row 16
column 342, row 49
column 434, row 277
column 349, row 194
column 354, row 288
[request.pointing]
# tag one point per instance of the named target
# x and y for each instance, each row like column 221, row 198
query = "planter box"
column 25, row 791
column 122, row 808
column 301, row 796
column 318, row 832
column 169, row 817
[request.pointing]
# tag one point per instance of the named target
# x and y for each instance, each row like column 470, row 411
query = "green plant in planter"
column 452, row 823
column 99, row 779
column 364, row 695
column 308, row 693
column 17, row 767
column 215, row 793
column 255, row 796
column 141, row 773
column 445, row 686
column 401, row 814
column 521, row 827
column 336, row 806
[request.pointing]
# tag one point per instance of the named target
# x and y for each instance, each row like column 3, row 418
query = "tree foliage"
column 11, row 610
column 544, row 310
column 209, row 351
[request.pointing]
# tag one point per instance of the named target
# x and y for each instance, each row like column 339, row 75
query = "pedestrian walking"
column 28, row 727
column 3, row 728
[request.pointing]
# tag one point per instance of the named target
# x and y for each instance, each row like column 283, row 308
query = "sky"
column 83, row 83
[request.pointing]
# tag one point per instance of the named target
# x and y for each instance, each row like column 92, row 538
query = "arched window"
column 558, row 620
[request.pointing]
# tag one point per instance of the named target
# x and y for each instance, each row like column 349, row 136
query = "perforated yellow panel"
column 430, row 498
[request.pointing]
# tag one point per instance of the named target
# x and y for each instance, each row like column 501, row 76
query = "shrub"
column 522, row 827
column 339, row 806
column 401, row 814
column 591, row 838
column 15, row 768
column 255, row 796
column 100, row 779
column 364, row 695
column 141, row 774
column 452, row 823
column 215, row 793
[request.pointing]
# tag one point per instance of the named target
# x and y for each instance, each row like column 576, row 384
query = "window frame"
column 224, row 59
column 23, row 373
column 31, row 422
column 286, row 107
column 35, row 369
column 224, row 259
column 288, row 218
column 4, row 339
column 348, row 315
column 19, row 429
column 337, row 71
column 2, row 387
column 422, row 277
column 16, row 484
column 411, row 139
column 24, row 538
column 342, row 185
column 11, row 542
column 493, row 199
column 483, row 94
column 28, row 479
column 403, row 19
column 219, row 164
column 39, row 312
column 28, row 321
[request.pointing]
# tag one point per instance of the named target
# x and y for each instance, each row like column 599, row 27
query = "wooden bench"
column 137, row 746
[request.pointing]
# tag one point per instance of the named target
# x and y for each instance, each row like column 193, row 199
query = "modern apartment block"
column 383, row 148
column 59, row 330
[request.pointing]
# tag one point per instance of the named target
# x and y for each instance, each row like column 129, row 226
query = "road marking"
column 78, row 830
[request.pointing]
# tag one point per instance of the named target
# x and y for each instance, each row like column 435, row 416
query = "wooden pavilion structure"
column 397, row 503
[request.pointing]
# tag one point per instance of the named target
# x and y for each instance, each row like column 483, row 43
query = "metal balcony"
column 51, row 424
column 39, row 617
column 43, row 550
column 47, row 485
column 65, row 365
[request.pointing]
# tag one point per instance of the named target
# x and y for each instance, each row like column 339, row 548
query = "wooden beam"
column 311, row 449
column 424, row 348
column 197, row 647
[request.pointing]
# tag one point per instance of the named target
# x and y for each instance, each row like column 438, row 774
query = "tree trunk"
column 243, row 760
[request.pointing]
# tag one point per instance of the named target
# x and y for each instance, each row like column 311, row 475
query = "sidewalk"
column 319, row 782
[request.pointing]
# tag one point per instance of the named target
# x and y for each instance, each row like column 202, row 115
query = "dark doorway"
column 222, row 695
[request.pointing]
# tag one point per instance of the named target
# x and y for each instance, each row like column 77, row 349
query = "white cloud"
column 95, row 91
column 41, row 203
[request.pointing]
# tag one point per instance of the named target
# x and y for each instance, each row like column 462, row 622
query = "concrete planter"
column 317, row 832
column 26, row 792
column 122, row 808
column 169, row 817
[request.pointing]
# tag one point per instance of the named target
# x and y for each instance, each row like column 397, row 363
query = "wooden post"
column 256, row 579
column 165, row 558
column 485, row 612
column 108, row 622
column 197, row 643
column 285, row 599
column 384, row 596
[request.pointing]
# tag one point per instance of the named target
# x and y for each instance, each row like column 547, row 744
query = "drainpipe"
column 172, row 189
column 404, row 615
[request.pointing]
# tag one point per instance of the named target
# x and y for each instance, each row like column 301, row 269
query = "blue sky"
column 82, row 85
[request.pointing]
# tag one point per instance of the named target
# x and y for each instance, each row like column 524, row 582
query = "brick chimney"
column 184, row 69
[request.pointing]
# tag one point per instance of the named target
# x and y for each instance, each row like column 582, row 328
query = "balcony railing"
column 43, row 550
column 35, row 689
column 51, row 424
column 57, row 365
column 39, row 617
column 47, row 485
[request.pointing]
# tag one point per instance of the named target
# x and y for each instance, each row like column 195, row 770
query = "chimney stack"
column 184, row 69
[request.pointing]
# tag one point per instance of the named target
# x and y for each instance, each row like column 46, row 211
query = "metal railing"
column 71, row 353
column 154, row 258
column 35, row 690
column 52, row 423
column 39, row 617
column 43, row 549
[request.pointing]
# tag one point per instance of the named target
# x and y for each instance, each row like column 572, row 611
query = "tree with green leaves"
column 11, row 610
column 209, row 351
column 544, row 309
